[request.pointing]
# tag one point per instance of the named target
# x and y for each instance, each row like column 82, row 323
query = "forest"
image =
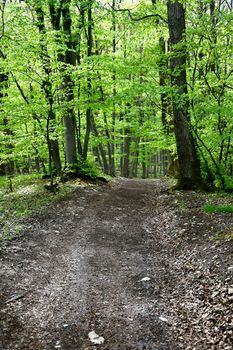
column 135, row 88
column 116, row 174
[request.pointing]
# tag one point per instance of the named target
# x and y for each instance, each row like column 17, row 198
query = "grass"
column 17, row 181
column 29, row 197
column 226, row 235
column 218, row 208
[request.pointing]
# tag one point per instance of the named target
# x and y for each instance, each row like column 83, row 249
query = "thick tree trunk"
column 189, row 167
column 70, row 136
column 61, row 14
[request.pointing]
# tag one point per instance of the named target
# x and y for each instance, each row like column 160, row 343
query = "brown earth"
column 126, row 260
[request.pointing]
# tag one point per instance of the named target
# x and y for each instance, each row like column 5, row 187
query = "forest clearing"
column 139, row 266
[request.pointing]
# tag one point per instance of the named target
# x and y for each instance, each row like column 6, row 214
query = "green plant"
column 18, row 206
column 10, row 231
column 83, row 169
column 226, row 235
column 182, row 204
column 18, row 181
column 218, row 208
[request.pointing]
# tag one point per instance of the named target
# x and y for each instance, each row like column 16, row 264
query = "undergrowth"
column 17, row 181
column 24, row 202
column 218, row 208
column 83, row 169
column 226, row 235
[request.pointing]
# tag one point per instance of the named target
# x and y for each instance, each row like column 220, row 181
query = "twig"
column 16, row 297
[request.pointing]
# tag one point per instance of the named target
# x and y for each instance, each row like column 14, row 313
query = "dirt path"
column 124, row 260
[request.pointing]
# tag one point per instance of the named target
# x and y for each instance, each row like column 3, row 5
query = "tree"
column 189, row 166
column 68, row 85
column 53, row 145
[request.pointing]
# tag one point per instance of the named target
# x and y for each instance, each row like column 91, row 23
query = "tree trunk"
column 68, row 85
column 53, row 145
column 126, row 155
column 163, row 81
column 58, row 13
column 9, row 166
column 100, row 149
column 89, row 114
column 109, row 136
column 112, row 169
column 189, row 166
column 144, row 161
column 134, row 163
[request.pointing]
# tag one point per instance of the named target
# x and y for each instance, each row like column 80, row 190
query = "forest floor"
column 120, row 266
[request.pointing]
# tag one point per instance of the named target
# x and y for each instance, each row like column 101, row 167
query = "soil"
column 127, row 260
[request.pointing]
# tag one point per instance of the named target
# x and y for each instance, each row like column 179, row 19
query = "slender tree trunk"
column 112, row 169
column 80, row 26
column 126, row 145
column 100, row 148
column 111, row 160
column 163, row 81
column 89, row 114
column 126, row 155
column 189, row 167
column 144, row 161
column 97, row 155
column 53, row 145
column 134, row 163
column 68, row 85
column 9, row 166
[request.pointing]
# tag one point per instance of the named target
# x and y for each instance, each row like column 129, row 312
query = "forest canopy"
column 140, row 88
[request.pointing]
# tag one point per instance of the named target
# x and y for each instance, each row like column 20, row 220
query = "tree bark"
column 53, row 145
column 100, row 149
column 68, row 85
column 89, row 114
column 112, row 169
column 189, row 166
column 60, row 18
column 126, row 153
column 9, row 166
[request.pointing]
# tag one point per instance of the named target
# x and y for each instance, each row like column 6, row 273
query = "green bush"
column 84, row 170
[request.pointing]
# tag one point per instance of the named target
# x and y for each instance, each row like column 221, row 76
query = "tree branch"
column 140, row 18
column 20, row 89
